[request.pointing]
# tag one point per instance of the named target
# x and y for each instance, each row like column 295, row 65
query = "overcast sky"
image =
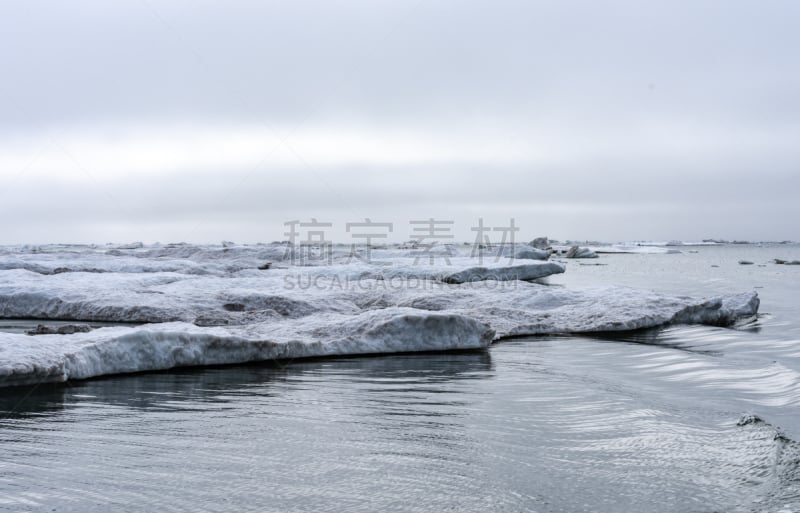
column 147, row 120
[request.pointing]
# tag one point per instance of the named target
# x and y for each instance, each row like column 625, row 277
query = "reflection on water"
column 653, row 336
column 228, row 383
column 543, row 424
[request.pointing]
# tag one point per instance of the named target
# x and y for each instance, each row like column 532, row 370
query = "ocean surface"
column 689, row 419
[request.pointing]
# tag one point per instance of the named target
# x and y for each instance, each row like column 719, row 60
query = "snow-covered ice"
column 508, row 273
column 579, row 252
column 55, row 358
column 203, row 305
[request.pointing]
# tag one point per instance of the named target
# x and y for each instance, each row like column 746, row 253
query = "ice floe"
column 579, row 252
column 204, row 305
column 28, row 360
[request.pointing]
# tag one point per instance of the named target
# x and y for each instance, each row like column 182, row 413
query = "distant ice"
column 579, row 252
column 516, row 272
column 632, row 248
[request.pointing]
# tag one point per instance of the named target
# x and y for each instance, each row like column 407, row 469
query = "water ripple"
column 549, row 424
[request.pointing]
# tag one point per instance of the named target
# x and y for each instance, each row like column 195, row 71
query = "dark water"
column 682, row 419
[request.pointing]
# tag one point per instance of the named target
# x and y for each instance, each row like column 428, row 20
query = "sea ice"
column 578, row 252
column 55, row 358
column 518, row 272
column 203, row 305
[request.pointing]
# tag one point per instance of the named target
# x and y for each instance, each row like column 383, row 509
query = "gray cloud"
column 273, row 60
column 573, row 202
column 659, row 119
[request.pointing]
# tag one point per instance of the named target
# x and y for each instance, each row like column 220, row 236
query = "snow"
column 204, row 305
